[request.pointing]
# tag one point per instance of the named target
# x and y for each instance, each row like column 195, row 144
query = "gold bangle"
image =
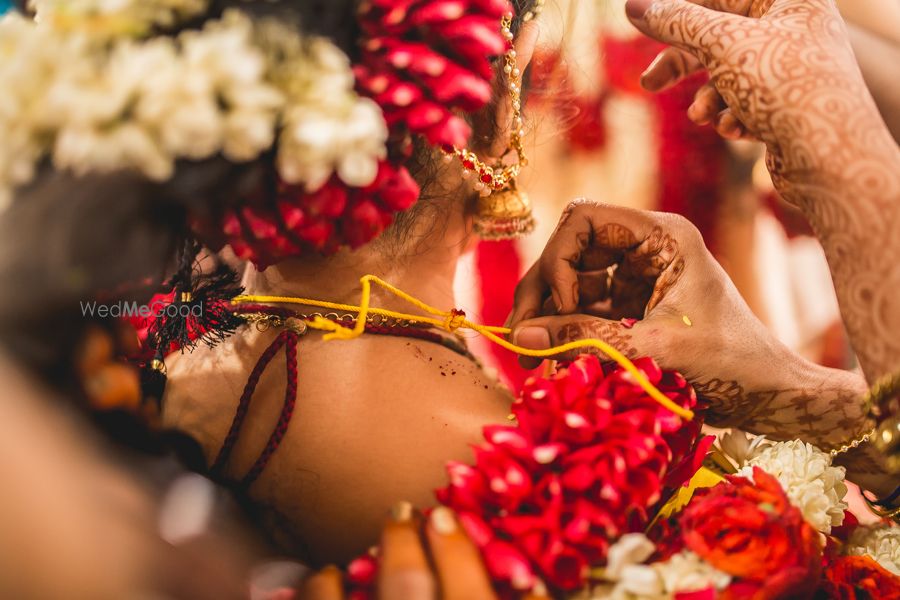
column 887, row 428
column 885, row 388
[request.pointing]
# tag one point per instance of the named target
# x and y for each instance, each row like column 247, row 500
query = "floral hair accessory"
column 94, row 86
column 136, row 105
column 418, row 83
column 102, row 18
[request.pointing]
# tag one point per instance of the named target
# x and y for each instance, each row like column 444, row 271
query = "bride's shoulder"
column 205, row 383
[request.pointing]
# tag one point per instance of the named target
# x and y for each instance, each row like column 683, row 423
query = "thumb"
column 684, row 24
column 633, row 339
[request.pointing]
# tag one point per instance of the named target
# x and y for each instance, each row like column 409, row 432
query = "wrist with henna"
column 815, row 404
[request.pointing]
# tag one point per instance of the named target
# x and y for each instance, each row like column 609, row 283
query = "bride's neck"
column 421, row 262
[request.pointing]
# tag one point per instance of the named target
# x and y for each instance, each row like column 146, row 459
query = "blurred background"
column 592, row 132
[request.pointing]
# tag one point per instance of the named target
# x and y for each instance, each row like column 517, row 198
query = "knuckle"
column 581, row 203
column 685, row 231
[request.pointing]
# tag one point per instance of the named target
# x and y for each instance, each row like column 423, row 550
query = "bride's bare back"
column 375, row 421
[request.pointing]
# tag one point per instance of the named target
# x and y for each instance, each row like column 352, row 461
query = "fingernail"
column 536, row 338
column 636, row 9
column 650, row 78
column 557, row 303
column 443, row 521
column 402, row 512
column 693, row 111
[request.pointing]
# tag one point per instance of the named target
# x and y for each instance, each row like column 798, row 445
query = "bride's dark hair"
column 66, row 240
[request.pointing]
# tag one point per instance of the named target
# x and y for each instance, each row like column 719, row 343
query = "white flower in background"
column 327, row 127
column 630, row 549
column 94, row 150
column 213, row 95
column 116, row 17
column 628, row 579
column 739, row 447
column 881, row 542
column 95, row 104
column 28, row 60
column 687, row 572
column 806, row 474
column 137, row 105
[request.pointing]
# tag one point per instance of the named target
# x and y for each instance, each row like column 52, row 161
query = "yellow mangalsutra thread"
column 451, row 321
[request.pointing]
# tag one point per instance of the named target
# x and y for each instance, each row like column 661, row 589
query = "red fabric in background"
column 691, row 159
column 499, row 265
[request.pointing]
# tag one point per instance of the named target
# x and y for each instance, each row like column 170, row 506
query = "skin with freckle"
column 376, row 420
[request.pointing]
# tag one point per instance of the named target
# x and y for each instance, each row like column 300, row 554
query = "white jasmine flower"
column 95, row 103
column 129, row 104
column 630, row 549
column 687, row 572
column 219, row 72
column 628, row 579
column 807, row 476
column 881, row 542
column 246, row 132
column 738, row 446
column 91, row 150
column 327, row 127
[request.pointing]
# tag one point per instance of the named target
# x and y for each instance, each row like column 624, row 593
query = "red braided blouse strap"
column 287, row 410
column 289, row 338
column 244, row 403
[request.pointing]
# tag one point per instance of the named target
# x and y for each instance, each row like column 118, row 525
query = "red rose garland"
column 590, row 458
column 419, row 83
column 300, row 222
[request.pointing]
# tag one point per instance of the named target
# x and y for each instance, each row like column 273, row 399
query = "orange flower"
column 752, row 532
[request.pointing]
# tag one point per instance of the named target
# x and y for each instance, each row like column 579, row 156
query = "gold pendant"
column 504, row 214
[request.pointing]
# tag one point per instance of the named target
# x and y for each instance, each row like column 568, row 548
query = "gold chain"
column 885, row 388
column 496, row 177
column 853, row 444
column 264, row 321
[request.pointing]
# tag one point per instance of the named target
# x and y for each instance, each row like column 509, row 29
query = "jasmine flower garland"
column 881, row 542
column 813, row 485
column 144, row 104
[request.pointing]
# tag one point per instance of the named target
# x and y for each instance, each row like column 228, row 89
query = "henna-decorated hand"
column 783, row 71
column 776, row 67
column 606, row 266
